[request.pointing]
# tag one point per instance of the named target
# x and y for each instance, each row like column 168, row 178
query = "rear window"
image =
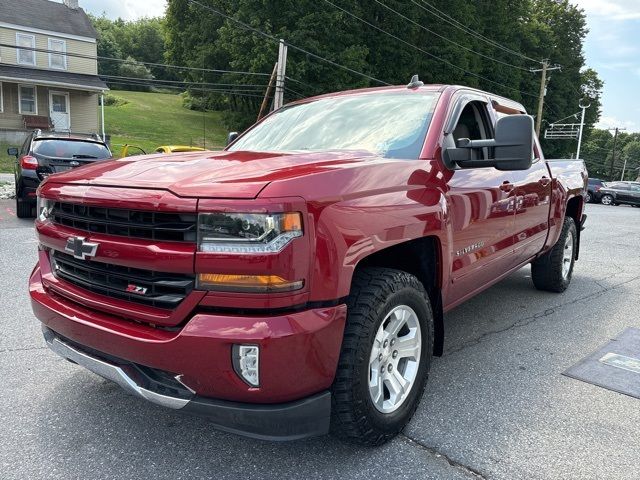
column 70, row 149
column 595, row 181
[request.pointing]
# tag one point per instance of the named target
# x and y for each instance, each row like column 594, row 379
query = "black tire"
column 607, row 199
column 374, row 294
column 589, row 198
column 547, row 270
column 24, row 209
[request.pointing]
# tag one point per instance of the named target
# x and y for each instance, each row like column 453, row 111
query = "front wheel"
column 385, row 358
column 607, row 200
column 588, row 197
column 553, row 270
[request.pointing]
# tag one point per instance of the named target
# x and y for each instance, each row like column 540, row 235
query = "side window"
column 473, row 124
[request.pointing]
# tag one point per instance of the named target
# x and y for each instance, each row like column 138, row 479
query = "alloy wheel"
column 395, row 358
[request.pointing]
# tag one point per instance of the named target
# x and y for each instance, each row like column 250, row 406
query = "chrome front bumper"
column 123, row 375
column 303, row 418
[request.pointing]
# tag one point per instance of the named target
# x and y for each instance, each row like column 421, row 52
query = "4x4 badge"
column 81, row 249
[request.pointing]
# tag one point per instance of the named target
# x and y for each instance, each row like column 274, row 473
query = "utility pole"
column 624, row 167
column 584, row 108
column 278, row 100
column 543, row 90
column 615, row 143
column 265, row 101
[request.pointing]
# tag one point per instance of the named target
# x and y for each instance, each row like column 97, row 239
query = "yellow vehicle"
column 131, row 150
column 177, row 149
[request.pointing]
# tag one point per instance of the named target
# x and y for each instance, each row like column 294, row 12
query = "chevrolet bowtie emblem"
column 81, row 249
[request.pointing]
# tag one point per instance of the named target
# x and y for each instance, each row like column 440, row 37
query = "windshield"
column 392, row 125
column 70, row 149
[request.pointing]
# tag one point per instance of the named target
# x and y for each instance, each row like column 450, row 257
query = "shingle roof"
column 47, row 15
column 51, row 77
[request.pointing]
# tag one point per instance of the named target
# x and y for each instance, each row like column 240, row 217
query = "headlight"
column 44, row 208
column 247, row 232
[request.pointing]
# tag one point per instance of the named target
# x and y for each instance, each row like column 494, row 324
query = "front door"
column 482, row 204
column 59, row 111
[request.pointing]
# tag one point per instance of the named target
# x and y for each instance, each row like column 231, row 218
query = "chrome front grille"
column 156, row 289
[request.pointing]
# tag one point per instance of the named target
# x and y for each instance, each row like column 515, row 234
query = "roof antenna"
column 415, row 82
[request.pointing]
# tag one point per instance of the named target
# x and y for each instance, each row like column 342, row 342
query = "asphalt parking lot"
column 496, row 404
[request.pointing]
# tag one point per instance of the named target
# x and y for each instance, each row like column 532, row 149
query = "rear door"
column 622, row 191
column 533, row 203
column 482, row 204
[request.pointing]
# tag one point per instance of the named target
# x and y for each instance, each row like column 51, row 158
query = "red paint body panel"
column 485, row 222
column 299, row 351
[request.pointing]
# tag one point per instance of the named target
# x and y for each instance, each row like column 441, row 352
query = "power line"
column 300, row 82
column 271, row 37
column 200, row 89
column 452, row 21
column 115, row 78
column 451, row 41
column 132, row 62
column 426, row 52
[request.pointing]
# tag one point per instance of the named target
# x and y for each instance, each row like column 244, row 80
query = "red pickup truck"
column 296, row 282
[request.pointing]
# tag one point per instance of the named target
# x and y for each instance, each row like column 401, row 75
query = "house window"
column 57, row 60
column 1, row 99
column 28, row 99
column 25, row 42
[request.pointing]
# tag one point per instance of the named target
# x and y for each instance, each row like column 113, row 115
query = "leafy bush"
column 111, row 100
column 194, row 102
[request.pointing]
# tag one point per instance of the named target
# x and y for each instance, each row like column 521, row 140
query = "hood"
column 209, row 174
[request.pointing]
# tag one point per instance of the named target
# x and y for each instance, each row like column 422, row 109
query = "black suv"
column 593, row 190
column 45, row 153
column 618, row 193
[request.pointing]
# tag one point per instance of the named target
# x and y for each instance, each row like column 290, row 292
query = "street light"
column 583, row 105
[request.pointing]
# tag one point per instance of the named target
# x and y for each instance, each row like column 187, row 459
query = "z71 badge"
column 136, row 289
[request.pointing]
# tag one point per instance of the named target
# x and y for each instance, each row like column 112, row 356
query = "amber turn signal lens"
column 246, row 283
column 292, row 222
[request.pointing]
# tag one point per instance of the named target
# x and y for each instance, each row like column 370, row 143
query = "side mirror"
column 511, row 149
column 12, row 152
column 231, row 137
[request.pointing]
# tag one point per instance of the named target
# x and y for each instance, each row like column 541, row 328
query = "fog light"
column 246, row 363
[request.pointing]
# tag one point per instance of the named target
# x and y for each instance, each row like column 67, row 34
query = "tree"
column 390, row 40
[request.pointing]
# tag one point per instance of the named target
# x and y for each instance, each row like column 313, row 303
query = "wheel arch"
column 575, row 207
column 421, row 257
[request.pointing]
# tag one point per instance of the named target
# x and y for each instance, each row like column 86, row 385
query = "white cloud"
column 611, row 9
column 126, row 9
column 607, row 122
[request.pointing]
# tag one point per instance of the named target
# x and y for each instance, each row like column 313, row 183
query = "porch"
column 32, row 98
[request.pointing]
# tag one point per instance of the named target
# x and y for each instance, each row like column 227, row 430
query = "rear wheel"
column 385, row 358
column 553, row 270
column 607, row 200
column 588, row 197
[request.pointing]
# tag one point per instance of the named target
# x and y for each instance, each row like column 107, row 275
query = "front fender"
column 351, row 230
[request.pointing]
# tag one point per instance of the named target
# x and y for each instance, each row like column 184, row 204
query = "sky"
column 612, row 48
